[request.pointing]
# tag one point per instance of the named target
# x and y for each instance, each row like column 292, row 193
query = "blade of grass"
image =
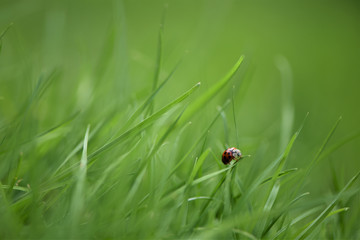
column 245, row 234
column 287, row 108
column 338, row 145
column 183, row 202
column 75, row 150
column 158, row 58
column 283, row 173
column 317, row 157
column 141, row 108
column 78, row 198
column 226, row 128
column 326, row 211
column 3, row 34
column 197, row 166
column 178, row 189
column 234, row 115
column 213, row 91
column 14, row 176
column 19, row 188
column 200, row 198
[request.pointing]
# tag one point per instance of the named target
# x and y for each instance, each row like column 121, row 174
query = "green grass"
column 97, row 159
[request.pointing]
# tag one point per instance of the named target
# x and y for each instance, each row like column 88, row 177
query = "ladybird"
column 230, row 154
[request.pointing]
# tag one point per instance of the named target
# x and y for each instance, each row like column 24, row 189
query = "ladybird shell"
column 230, row 154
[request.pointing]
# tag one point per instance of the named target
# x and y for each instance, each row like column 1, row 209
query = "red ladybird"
column 230, row 154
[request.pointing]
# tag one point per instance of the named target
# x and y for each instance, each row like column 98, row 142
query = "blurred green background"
column 301, row 56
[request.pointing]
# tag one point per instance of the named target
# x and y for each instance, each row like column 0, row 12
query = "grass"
column 124, row 167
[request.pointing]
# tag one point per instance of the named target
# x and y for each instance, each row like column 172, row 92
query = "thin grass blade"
column 78, row 199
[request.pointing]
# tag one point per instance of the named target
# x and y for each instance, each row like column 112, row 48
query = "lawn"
column 114, row 116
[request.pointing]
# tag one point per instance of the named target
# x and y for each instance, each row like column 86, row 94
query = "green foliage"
column 149, row 167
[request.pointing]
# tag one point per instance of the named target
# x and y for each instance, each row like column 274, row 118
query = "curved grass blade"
column 314, row 224
column 283, row 173
column 213, row 91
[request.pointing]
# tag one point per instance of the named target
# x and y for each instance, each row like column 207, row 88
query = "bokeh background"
column 300, row 56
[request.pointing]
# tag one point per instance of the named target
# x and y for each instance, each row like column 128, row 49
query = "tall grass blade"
column 158, row 59
column 197, row 166
column 287, row 108
column 234, row 117
column 78, row 199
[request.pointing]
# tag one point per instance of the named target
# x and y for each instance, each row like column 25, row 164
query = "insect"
column 230, row 154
